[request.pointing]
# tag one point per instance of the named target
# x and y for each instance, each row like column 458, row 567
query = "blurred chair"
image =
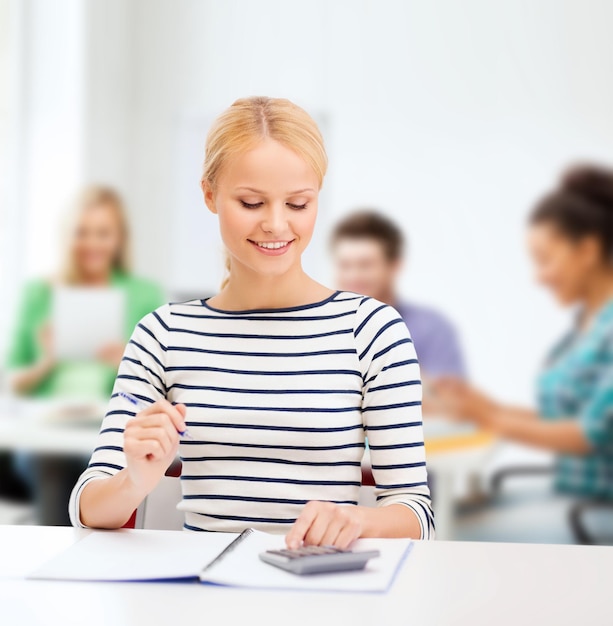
column 578, row 517
column 158, row 510
column 578, row 513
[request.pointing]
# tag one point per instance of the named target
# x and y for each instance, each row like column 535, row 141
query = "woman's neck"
column 598, row 292
column 95, row 280
column 246, row 290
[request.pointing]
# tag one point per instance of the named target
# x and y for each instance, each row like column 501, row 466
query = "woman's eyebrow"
column 291, row 193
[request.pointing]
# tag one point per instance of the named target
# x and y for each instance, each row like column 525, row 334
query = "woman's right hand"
column 151, row 442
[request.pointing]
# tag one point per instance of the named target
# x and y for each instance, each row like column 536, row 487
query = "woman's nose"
column 275, row 221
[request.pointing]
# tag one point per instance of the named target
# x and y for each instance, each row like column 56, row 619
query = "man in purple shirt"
column 368, row 250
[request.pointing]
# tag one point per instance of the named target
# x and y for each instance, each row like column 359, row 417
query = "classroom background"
column 451, row 118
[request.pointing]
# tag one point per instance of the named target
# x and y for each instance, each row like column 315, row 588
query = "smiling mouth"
column 271, row 245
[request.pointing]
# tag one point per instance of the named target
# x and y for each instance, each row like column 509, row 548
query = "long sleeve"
column 141, row 373
column 33, row 309
column 391, row 409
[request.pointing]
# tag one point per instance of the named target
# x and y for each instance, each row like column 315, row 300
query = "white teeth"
column 272, row 245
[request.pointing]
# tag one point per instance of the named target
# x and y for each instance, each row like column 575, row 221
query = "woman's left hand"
column 325, row 524
column 461, row 401
column 111, row 354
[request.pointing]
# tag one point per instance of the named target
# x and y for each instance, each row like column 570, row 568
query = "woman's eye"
column 297, row 206
column 249, row 205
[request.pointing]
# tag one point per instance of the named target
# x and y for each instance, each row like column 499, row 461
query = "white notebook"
column 215, row 558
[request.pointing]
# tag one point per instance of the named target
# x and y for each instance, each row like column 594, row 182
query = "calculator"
column 318, row 559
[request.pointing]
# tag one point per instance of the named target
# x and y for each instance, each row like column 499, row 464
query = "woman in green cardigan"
column 96, row 254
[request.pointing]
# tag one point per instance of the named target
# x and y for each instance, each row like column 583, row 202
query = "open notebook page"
column 121, row 555
column 243, row 568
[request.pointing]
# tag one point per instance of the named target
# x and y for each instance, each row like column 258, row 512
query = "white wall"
column 451, row 116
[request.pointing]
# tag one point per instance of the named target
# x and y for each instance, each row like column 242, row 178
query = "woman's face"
column 97, row 241
column 266, row 200
column 561, row 263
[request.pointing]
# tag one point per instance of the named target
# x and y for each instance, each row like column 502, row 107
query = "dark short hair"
column 371, row 224
column 581, row 206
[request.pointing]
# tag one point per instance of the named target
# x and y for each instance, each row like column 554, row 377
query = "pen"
column 141, row 405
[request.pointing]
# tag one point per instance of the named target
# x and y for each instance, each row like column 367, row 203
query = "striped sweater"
column 279, row 404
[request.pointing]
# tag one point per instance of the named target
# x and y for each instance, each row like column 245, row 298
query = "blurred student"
column 96, row 254
column 368, row 250
column 571, row 240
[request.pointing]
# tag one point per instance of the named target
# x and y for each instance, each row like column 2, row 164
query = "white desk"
column 24, row 430
column 441, row 583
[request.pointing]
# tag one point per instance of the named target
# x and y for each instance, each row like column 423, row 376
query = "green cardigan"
column 74, row 378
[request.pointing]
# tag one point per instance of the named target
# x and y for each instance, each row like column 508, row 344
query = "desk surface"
column 442, row 583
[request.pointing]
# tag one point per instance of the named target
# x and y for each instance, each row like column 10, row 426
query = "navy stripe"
column 418, row 495
column 141, row 347
column 147, row 369
column 115, row 448
column 406, row 383
column 369, row 380
column 391, row 347
column 392, row 426
column 400, row 364
column 111, row 465
column 378, row 334
column 290, row 429
column 226, row 407
column 111, row 430
column 427, row 513
column 243, row 518
column 160, row 320
column 214, row 496
column 141, row 380
column 268, row 318
column 267, row 391
column 246, row 336
column 398, row 466
column 368, row 317
column 264, row 446
column 259, row 459
column 385, row 407
column 402, row 485
column 397, row 446
column 152, row 335
column 121, row 411
column 260, row 354
column 198, row 368
column 285, row 481
column 187, row 526
column 290, row 309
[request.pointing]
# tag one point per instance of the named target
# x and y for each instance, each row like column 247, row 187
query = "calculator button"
column 289, row 554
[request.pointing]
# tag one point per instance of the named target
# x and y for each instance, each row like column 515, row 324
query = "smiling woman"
column 278, row 377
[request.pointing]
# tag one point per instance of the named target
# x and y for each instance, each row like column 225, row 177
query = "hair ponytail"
column 581, row 206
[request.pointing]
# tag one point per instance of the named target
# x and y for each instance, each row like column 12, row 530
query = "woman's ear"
column 209, row 197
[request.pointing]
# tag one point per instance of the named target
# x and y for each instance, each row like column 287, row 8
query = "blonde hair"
column 247, row 122
column 89, row 197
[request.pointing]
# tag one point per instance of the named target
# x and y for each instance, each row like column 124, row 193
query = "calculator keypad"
column 307, row 551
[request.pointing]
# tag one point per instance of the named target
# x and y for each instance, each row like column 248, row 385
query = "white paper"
column 122, row 555
column 86, row 319
column 243, row 568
